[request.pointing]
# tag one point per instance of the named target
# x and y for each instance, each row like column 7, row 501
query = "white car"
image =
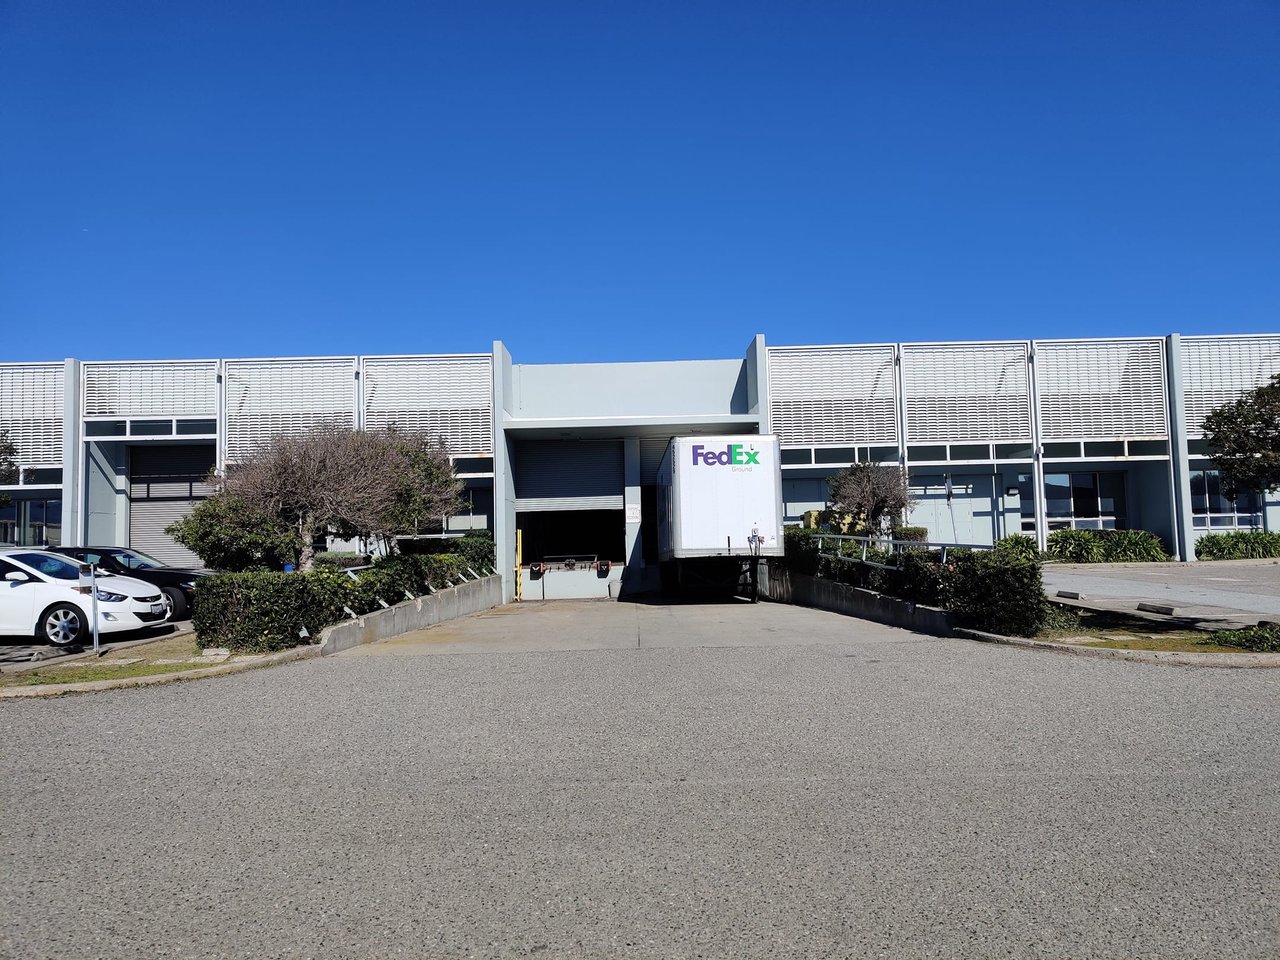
column 40, row 597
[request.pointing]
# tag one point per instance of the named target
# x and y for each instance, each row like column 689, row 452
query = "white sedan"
column 40, row 596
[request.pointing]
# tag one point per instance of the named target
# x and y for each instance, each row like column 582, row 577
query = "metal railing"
column 894, row 546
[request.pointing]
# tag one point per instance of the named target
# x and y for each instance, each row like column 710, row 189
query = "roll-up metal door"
column 568, row 475
column 651, row 451
column 165, row 484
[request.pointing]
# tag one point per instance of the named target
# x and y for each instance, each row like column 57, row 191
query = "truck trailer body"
column 720, row 496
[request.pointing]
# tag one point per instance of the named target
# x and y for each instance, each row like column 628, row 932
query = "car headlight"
column 106, row 597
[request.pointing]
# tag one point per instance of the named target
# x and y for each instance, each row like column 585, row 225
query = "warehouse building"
column 998, row 437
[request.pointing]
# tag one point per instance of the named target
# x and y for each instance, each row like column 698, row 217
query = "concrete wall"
column 784, row 586
column 584, row 584
column 106, row 494
column 412, row 615
column 655, row 389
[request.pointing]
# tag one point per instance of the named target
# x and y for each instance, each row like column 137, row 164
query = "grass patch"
column 74, row 673
column 1116, row 631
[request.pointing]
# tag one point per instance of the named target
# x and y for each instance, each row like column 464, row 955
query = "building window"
column 31, row 523
column 1084, row 501
column 1211, row 508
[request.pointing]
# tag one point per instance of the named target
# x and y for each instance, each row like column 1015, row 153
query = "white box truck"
column 718, row 497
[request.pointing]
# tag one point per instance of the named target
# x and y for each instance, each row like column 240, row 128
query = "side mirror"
column 17, row 576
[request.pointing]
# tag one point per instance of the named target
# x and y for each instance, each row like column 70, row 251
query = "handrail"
column 894, row 546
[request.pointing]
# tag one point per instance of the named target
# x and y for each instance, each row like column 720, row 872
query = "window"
column 50, row 566
column 31, row 523
column 1211, row 508
column 1085, row 501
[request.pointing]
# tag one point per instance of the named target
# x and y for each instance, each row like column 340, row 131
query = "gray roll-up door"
column 568, row 475
column 165, row 484
column 651, row 451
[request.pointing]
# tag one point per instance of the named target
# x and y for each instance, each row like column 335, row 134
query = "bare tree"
column 336, row 477
column 872, row 495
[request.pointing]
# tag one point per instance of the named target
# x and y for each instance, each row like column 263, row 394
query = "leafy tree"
column 872, row 496
column 9, row 470
column 1244, row 438
column 227, row 534
column 358, row 482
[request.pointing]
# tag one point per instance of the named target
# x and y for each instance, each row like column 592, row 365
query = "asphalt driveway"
column 618, row 780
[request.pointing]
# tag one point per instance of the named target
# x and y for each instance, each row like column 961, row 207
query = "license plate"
column 157, row 608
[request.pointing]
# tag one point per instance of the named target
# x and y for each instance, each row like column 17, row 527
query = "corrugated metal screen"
column 966, row 391
column 267, row 398
column 31, row 410
column 150, row 389
column 651, row 452
column 446, row 397
column 1217, row 370
column 840, row 394
column 568, row 475
column 1102, row 389
column 165, row 484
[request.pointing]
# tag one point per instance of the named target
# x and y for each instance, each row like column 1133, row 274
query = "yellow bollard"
column 519, row 555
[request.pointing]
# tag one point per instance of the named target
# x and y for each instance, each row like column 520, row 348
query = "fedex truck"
column 719, row 510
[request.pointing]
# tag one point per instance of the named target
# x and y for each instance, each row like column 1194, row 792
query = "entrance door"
column 165, row 484
column 969, row 517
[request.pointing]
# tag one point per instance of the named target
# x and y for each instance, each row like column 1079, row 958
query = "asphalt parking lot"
column 618, row 780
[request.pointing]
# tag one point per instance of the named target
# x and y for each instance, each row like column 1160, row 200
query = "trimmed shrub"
column 258, row 612
column 1106, row 546
column 1239, row 545
column 1017, row 546
column 923, row 578
column 340, row 559
column 800, row 546
column 915, row 534
column 991, row 592
column 1264, row 638
column 476, row 549
column 1131, row 546
column 1074, row 546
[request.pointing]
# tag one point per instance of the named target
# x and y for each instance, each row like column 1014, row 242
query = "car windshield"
column 137, row 561
column 50, row 566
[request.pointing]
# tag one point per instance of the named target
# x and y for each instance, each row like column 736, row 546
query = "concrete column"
column 1184, row 533
column 631, row 502
column 72, row 457
column 504, row 492
column 757, row 364
column 106, row 493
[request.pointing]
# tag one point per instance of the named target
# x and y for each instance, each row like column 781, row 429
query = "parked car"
column 176, row 583
column 40, row 596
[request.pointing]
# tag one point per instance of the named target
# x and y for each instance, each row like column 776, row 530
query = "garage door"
column 568, row 475
column 165, row 484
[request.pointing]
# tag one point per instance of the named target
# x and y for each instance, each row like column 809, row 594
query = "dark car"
column 177, row 583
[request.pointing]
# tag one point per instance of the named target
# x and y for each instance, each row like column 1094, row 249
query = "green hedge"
column 1264, row 638
column 1106, row 546
column 259, row 612
column 475, row 548
column 340, row 559
column 1239, row 545
column 1000, row 590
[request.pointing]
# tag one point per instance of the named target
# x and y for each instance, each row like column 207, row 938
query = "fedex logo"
column 734, row 454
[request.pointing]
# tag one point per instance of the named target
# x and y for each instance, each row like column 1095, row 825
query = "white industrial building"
column 1032, row 436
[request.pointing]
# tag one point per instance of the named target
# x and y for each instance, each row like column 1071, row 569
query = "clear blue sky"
column 607, row 181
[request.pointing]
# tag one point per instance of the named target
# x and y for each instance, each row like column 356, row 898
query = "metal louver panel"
column 164, row 389
column 31, row 396
column 838, row 394
column 966, row 391
column 1101, row 389
column 147, row 522
column 165, row 484
column 1217, row 370
column 651, row 451
column 568, row 475
column 267, row 398
column 449, row 397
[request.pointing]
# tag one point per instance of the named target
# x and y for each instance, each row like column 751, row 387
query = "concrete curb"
column 93, row 686
column 1238, row 661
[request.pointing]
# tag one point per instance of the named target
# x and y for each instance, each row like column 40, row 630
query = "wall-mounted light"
column 1011, row 491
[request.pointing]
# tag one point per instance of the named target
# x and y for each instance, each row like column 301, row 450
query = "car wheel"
column 178, row 601
column 62, row 625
